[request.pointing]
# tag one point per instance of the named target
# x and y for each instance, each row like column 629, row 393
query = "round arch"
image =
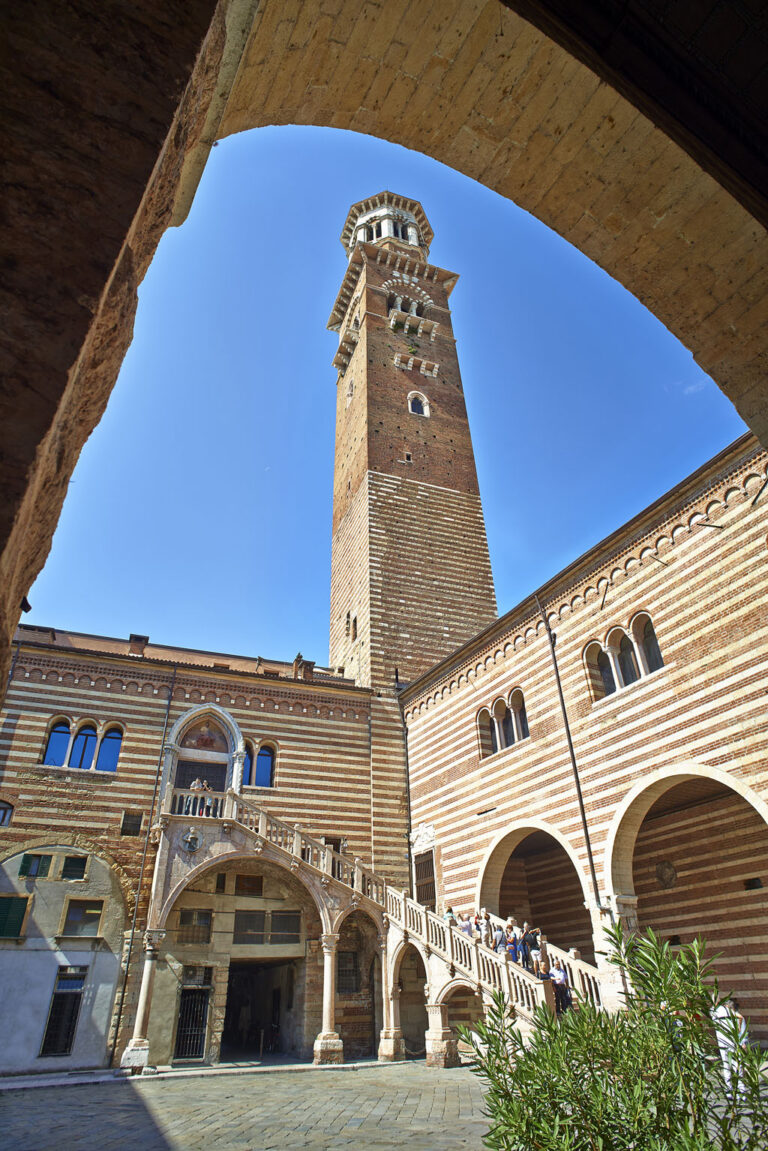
column 452, row 985
column 622, row 834
column 495, row 860
column 159, row 921
column 373, row 914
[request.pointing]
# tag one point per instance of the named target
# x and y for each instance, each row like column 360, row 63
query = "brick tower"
column 410, row 577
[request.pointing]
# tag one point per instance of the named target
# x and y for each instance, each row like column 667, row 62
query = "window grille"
column 194, row 926
column 249, row 927
column 347, row 973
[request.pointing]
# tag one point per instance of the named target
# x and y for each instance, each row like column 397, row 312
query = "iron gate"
column 193, row 1016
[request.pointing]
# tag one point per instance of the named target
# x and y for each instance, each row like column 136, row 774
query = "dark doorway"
column 193, row 1018
column 260, row 1019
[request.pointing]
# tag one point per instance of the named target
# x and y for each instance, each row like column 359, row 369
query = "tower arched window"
column 83, row 747
column 606, row 673
column 57, row 744
column 265, row 767
column 600, row 671
column 109, row 749
column 418, row 404
column 6, row 813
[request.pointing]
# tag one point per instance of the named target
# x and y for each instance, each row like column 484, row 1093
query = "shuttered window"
column 424, row 865
column 12, row 911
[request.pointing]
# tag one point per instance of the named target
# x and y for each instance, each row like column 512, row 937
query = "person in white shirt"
column 731, row 1030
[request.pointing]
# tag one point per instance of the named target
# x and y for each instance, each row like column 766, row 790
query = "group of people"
column 199, row 805
column 524, row 945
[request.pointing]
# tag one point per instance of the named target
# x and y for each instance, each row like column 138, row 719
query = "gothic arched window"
column 83, row 747
column 57, row 743
column 486, row 730
column 248, row 765
column 628, row 662
column 265, row 767
column 109, row 749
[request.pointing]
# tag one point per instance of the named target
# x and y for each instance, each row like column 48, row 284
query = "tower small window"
column 354, row 627
column 6, row 813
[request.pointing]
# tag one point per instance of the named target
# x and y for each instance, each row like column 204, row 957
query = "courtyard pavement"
column 371, row 1106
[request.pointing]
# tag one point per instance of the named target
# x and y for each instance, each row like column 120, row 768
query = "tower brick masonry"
column 411, row 576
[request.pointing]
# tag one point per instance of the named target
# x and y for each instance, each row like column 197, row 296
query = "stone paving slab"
column 402, row 1105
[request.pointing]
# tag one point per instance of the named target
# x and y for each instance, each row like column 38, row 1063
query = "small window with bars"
column 347, row 973
column 64, row 1010
column 194, row 925
column 285, row 927
column 197, row 976
column 131, row 824
column 249, row 885
column 249, row 927
column 83, row 917
column 13, row 908
column 424, row 868
column 35, row 866
column 74, row 867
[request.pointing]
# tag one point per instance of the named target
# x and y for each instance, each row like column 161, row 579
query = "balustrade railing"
column 583, row 977
column 468, row 957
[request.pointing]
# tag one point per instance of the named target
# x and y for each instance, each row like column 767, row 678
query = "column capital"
column 329, row 941
column 153, row 938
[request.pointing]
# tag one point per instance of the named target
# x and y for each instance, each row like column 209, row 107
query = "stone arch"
column 617, row 856
column 687, row 855
column 159, row 919
column 409, row 977
column 373, row 913
column 451, row 985
column 215, row 712
column 533, row 873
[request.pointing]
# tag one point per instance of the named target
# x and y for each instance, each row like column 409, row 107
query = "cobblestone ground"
column 401, row 1105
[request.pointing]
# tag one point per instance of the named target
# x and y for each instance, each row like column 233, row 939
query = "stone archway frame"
column 322, row 901
column 511, row 838
column 625, row 826
column 375, row 914
column 172, row 746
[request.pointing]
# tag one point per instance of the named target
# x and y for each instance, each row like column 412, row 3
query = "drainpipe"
column 572, row 754
column 139, row 882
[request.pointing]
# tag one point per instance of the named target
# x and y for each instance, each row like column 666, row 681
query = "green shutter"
column 44, row 866
column 12, row 911
column 25, row 861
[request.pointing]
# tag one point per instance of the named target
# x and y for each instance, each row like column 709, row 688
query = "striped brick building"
column 203, row 856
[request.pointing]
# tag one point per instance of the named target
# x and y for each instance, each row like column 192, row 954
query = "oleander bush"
column 649, row 1078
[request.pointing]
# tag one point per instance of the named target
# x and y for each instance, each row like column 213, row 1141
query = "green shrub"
column 650, row 1077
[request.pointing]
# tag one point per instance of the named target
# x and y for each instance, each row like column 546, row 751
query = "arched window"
column 517, row 704
column 486, row 730
column 248, row 765
column 503, row 724
column 628, row 662
column 6, row 813
column 646, row 644
column 83, row 747
column 265, row 767
column 606, row 674
column 418, row 404
column 109, row 749
column 57, row 744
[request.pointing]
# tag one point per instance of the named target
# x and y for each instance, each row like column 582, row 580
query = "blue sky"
column 200, row 510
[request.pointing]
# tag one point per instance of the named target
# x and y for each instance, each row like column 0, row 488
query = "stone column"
column 136, row 1054
column 441, row 1044
column 391, row 1045
column 328, row 1047
column 613, row 657
column 238, row 759
column 413, row 235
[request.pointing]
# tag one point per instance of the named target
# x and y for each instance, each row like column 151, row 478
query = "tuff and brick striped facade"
column 411, row 576
column 674, row 767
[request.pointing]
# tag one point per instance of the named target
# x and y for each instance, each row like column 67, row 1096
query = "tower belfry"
column 411, row 577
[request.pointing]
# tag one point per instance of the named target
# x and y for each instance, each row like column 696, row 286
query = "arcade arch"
column 533, row 874
column 409, row 978
column 688, row 856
